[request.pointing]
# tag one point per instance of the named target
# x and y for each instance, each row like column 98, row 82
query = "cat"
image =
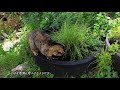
column 40, row 41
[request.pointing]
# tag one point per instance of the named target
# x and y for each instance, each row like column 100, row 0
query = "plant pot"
column 65, row 68
column 115, row 57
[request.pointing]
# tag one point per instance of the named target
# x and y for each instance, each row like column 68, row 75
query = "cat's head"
column 56, row 51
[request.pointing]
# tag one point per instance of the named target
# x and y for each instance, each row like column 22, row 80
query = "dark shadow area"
column 116, row 61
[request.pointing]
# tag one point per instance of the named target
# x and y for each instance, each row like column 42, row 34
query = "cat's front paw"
column 35, row 54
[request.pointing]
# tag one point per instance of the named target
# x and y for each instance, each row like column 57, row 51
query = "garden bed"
column 82, row 34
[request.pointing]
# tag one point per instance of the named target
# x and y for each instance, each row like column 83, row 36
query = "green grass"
column 76, row 39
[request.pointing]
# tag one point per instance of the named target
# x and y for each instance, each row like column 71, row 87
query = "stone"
column 20, row 68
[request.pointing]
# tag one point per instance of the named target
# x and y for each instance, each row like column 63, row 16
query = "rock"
column 1, row 38
column 7, row 46
column 20, row 68
column 4, row 34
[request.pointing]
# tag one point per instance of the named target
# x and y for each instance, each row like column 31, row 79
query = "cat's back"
column 41, row 36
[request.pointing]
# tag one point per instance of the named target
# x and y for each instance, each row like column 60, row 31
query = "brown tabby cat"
column 39, row 41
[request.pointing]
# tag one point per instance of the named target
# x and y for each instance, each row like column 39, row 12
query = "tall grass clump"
column 77, row 40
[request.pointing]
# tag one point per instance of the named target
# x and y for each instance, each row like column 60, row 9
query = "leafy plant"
column 101, row 26
column 114, row 48
column 115, row 33
column 105, row 69
column 55, row 19
column 114, row 39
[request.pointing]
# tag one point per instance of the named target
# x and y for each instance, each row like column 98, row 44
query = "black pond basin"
column 65, row 68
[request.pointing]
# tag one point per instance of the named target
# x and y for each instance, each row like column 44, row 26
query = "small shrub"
column 104, row 67
column 115, row 33
column 114, row 49
column 114, row 39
